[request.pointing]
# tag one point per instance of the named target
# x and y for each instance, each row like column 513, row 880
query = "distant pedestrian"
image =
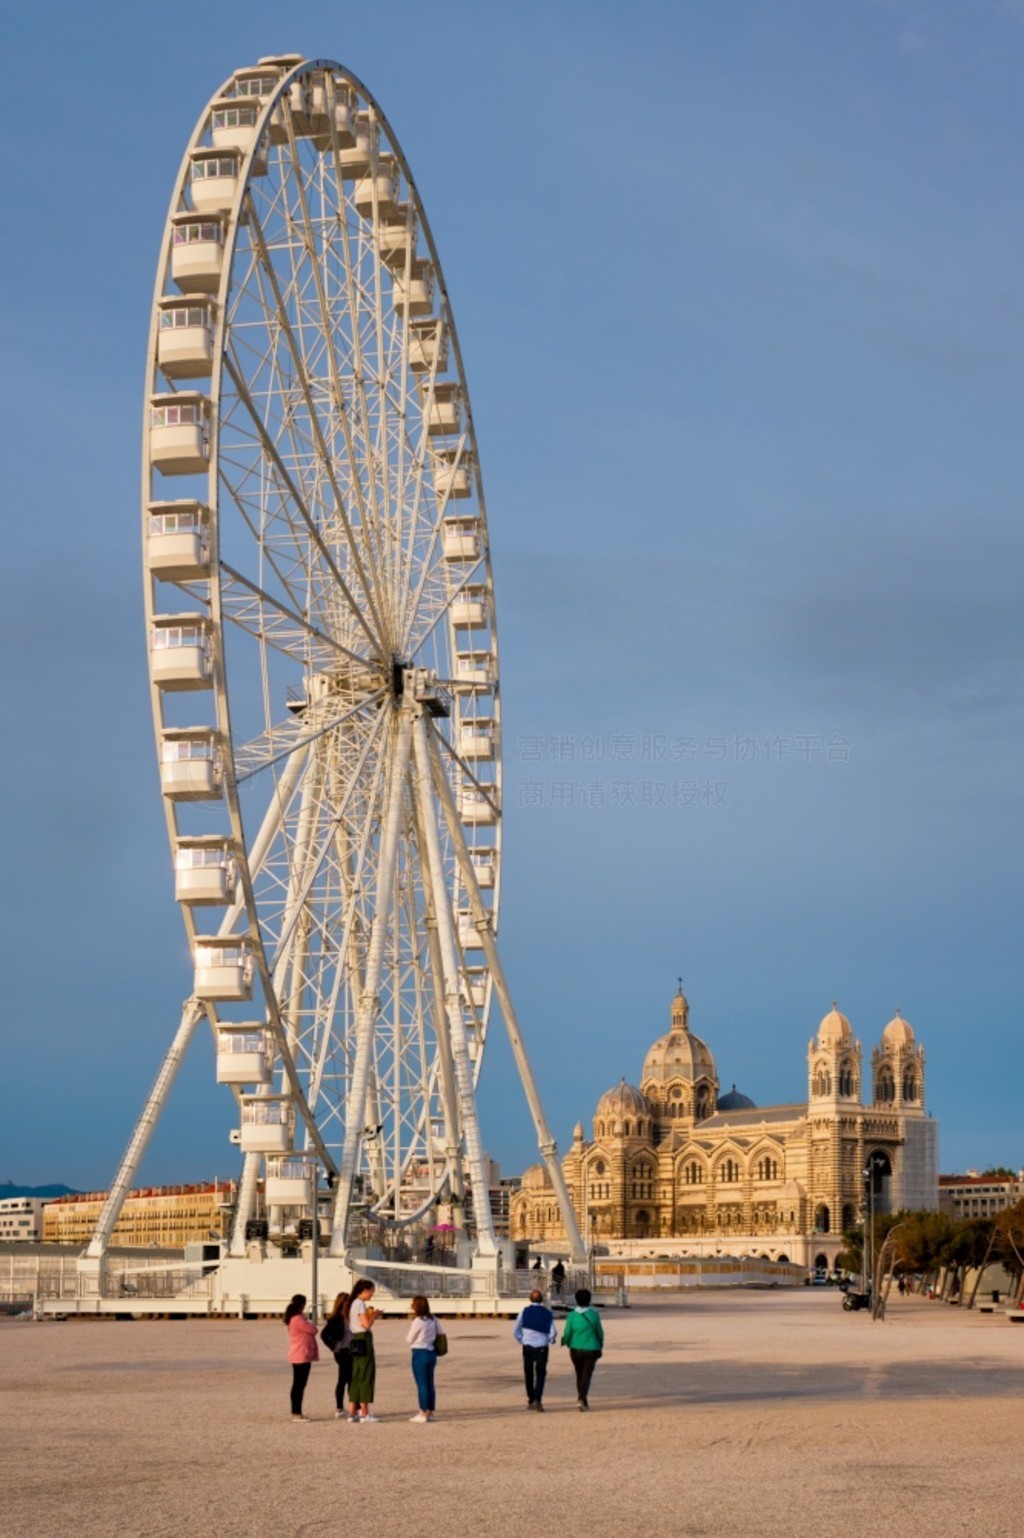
column 538, row 1265
column 337, row 1337
column 361, row 1317
column 901, row 1286
column 584, row 1335
column 535, row 1331
column 302, row 1351
column 557, row 1278
column 422, row 1337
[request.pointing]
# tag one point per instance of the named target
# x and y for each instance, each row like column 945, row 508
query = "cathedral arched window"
column 846, row 1077
column 822, row 1080
column 729, row 1171
column 643, row 1224
column 693, row 1175
column 822, row 1219
column 625, row 1129
column 885, row 1088
column 909, row 1083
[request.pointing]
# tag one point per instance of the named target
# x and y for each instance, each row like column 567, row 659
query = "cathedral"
column 675, row 1167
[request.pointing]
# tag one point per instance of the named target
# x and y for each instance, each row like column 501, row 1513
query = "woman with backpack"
column 422, row 1337
column 337, row 1337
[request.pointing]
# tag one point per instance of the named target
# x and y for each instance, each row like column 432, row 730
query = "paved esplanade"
column 756, row 1414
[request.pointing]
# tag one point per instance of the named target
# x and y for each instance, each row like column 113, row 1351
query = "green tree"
column 1009, row 1244
column 969, row 1244
column 921, row 1242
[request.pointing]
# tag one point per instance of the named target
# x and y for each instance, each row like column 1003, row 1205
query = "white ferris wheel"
column 323, row 663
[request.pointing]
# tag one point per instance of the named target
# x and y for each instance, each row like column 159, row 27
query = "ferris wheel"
column 323, row 660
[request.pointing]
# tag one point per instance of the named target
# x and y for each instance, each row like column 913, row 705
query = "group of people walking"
column 348, row 1335
column 536, row 1332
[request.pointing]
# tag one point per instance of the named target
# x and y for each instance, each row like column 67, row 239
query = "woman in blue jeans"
column 422, row 1337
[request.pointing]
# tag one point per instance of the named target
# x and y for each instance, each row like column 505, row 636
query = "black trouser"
column 584, row 1363
column 344, row 1361
column 535, row 1371
column 300, row 1377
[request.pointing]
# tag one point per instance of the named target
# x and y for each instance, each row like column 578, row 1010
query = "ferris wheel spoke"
column 263, row 542
column 283, row 738
column 469, row 776
column 371, row 589
column 317, row 1042
column 370, row 514
column 298, row 501
column 316, row 846
column 413, row 469
column 242, row 610
column 435, row 582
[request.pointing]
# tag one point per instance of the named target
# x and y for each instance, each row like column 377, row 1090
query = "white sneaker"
column 370, row 1420
column 422, row 1418
column 341, row 1415
column 300, row 1417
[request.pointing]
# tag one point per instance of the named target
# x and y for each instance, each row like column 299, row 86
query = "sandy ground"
column 755, row 1414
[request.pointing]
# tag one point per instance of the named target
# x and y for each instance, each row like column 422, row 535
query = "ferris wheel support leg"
column 246, row 1205
column 449, row 1097
column 355, row 1108
column 97, row 1248
column 545, row 1142
column 487, row 1243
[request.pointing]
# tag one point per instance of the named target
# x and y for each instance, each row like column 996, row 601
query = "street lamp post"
column 314, row 1186
column 867, row 1255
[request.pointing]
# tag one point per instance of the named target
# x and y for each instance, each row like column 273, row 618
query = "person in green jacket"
column 584, row 1335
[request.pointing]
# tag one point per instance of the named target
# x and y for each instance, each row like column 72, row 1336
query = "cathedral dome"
column 535, row 1178
column 898, row 1033
column 624, row 1100
column 834, row 1030
column 735, row 1101
column 680, row 1054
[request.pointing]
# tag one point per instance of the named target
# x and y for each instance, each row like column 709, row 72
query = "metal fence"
column 520, row 1284
column 26, row 1279
column 405, row 1281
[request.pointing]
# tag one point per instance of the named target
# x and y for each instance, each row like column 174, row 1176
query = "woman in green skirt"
column 361, row 1318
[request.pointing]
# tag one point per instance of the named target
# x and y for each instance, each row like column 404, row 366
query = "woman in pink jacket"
column 302, row 1351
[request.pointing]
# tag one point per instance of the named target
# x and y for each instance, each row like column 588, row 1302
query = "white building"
column 21, row 1217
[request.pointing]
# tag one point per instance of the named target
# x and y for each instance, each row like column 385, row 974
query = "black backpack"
column 333, row 1332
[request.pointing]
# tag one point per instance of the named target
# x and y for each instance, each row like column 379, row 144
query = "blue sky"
column 738, row 292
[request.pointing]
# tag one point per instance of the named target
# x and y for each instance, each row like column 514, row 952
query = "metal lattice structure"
column 323, row 659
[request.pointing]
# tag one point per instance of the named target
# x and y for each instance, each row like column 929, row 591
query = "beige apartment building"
column 153, row 1217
